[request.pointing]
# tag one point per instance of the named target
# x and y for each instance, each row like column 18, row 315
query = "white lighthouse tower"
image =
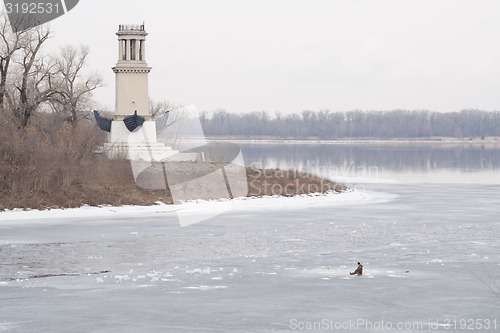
column 132, row 132
column 131, row 73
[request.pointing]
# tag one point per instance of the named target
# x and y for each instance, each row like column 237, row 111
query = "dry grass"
column 287, row 183
column 51, row 164
column 42, row 168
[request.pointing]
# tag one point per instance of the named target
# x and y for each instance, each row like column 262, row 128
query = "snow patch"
column 204, row 287
column 350, row 197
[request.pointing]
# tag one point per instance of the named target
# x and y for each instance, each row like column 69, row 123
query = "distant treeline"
column 353, row 124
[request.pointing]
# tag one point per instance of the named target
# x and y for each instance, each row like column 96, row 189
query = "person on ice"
column 358, row 271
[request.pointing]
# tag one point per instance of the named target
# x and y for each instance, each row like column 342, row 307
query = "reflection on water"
column 403, row 161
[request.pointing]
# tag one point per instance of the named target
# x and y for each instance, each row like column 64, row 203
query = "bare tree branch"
column 73, row 86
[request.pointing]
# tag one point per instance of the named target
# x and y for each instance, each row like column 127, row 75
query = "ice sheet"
column 431, row 254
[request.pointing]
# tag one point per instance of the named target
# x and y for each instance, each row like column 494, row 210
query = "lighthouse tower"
column 131, row 72
column 132, row 132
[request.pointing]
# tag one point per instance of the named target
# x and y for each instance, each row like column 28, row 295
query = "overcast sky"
column 288, row 55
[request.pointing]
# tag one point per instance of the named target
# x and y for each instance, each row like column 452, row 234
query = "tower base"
column 141, row 145
column 138, row 151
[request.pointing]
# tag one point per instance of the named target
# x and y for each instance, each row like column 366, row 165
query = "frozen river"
column 426, row 229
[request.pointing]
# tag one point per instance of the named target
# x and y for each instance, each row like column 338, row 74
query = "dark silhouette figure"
column 358, row 271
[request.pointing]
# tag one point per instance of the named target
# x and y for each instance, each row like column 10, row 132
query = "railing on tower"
column 139, row 27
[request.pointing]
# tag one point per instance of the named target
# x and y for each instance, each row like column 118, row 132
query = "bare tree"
column 71, row 88
column 34, row 85
column 166, row 114
column 158, row 109
column 219, row 117
column 203, row 116
column 10, row 44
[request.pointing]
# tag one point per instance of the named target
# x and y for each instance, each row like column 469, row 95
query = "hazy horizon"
column 289, row 56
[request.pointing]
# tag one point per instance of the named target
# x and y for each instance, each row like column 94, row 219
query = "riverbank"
column 260, row 182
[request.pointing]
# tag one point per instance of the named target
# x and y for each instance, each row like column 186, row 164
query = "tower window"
column 132, row 49
column 140, row 50
column 124, row 49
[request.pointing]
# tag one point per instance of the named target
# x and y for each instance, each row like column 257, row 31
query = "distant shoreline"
column 440, row 140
